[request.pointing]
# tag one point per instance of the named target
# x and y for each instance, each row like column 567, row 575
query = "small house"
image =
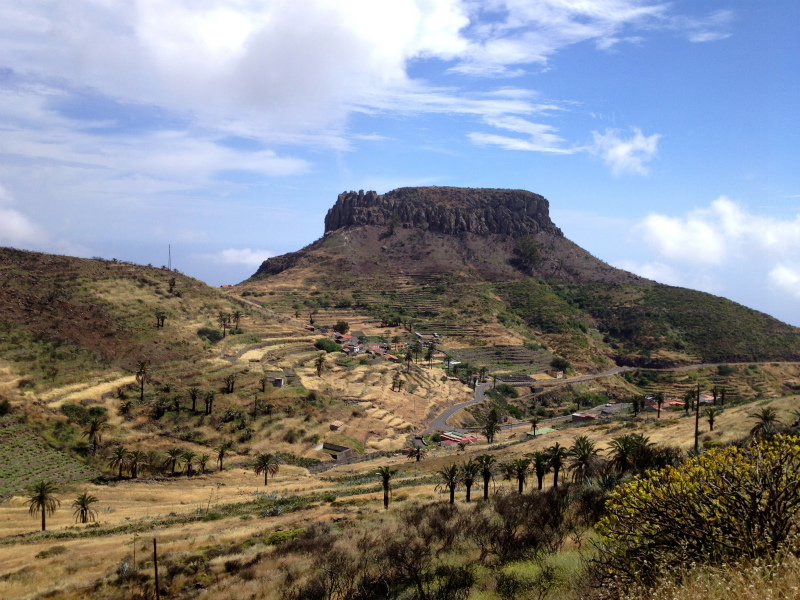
column 336, row 425
column 276, row 378
column 340, row 454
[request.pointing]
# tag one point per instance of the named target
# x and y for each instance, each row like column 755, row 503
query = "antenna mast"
column 169, row 259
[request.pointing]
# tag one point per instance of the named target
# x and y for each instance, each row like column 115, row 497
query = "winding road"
column 439, row 423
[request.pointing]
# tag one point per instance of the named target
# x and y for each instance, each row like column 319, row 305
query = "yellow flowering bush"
column 724, row 506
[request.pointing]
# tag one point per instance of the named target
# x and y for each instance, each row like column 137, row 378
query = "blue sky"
column 665, row 135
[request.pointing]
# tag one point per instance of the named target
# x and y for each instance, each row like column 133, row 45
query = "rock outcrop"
column 446, row 210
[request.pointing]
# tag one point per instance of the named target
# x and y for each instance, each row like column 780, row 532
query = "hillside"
column 489, row 266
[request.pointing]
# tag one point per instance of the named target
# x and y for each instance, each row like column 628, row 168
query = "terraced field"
column 25, row 459
column 511, row 358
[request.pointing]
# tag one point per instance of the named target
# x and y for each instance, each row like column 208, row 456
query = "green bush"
column 279, row 537
column 210, row 334
column 562, row 364
column 725, row 506
column 327, row 345
column 725, row 370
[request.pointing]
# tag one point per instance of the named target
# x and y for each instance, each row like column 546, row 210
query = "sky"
column 664, row 134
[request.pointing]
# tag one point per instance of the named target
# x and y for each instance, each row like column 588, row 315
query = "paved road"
column 440, row 422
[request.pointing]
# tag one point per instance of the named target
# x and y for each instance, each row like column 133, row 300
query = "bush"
column 728, row 505
column 279, row 537
column 5, row 407
column 341, row 327
column 508, row 390
column 210, row 334
column 562, row 364
column 725, row 370
column 327, row 345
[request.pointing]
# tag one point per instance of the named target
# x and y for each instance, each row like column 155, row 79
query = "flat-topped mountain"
column 492, row 263
column 446, row 210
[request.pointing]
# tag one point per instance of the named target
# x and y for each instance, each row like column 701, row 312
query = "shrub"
column 562, row 364
column 730, row 504
column 327, row 345
column 279, row 537
column 210, row 334
column 341, row 327
column 725, row 370
column 509, row 391
column 5, row 407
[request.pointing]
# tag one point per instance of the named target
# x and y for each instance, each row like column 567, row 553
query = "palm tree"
column 659, row 398
column 41, row 499
column 534, row 421
column 627, row 450
column 447, row 359
column 209, row 400
column 173, row 456
column 507, row 469
column 203, row 459
column 141, row 376
column 416, row 453
column 320, row 364
column 224, row 320
column 490, row 429
column 486, row 462
column 236, row 316
column 416, row 348
column 188, row 459
column 83, row 508
column 711, row 415
column 93, row 432
column 429, row 355
column 766, row 420
column 450, row 477
column 136, row 459
column 584, row 458
column 541, row 465
column 521, row 467
column 119, row 459
column 221, row 449
column 194, row 394
column 558, row 454
column 268, row 464
column 386, row 473
column 408, row 358
column 469, row 472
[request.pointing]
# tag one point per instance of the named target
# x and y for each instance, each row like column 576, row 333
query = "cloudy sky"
column 664, row 134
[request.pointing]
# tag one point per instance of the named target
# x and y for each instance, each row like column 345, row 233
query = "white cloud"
column 15, row 228
column 720, row 233
column 787, row 279
column 239, row 256
column 657, row 271
column 625, row 155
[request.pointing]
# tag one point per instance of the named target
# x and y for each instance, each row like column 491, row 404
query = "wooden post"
column 697, row 420
column 155, row 566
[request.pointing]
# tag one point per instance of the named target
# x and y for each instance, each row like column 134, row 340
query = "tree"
column 236, row 316
column 469, row 472
column 341, row 327
column 194, row 394
column 711, row 415
column 263, row 380
column 189, row 457
column 429, row 355
column 202, row 460
column 209, row 400
column 558, row 454
column 319, row 363
column 688, row 400
column 221, row 449
column 119, row 459
column 41, row 499
column 541, row 465
column 416, row 453
column 486, row 463
column 173, row 456
column 521, row 467
column 224, row 320
column 584, row 458
column 408, row 358
column 527, row 250
column 416, row 348
column 83, row 508
column 141, row 376
column 395, row 380
column 490, row 429
column 386, row 473
column 448, row 358
column 627, row 451
column 395, row 341
column 93, row 431
column 450, row 476
column 534, row 421
column 766, row 421
column 659, row 398
column 507, row 469
column 161, row 316
column 268, row 464
column 230, row 382
column 136, row 459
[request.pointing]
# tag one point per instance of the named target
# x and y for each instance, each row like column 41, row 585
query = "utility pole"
column 169, row 257
column 697, row 419
column 155, row 565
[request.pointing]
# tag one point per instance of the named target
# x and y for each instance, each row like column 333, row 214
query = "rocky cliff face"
column 446, row 210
